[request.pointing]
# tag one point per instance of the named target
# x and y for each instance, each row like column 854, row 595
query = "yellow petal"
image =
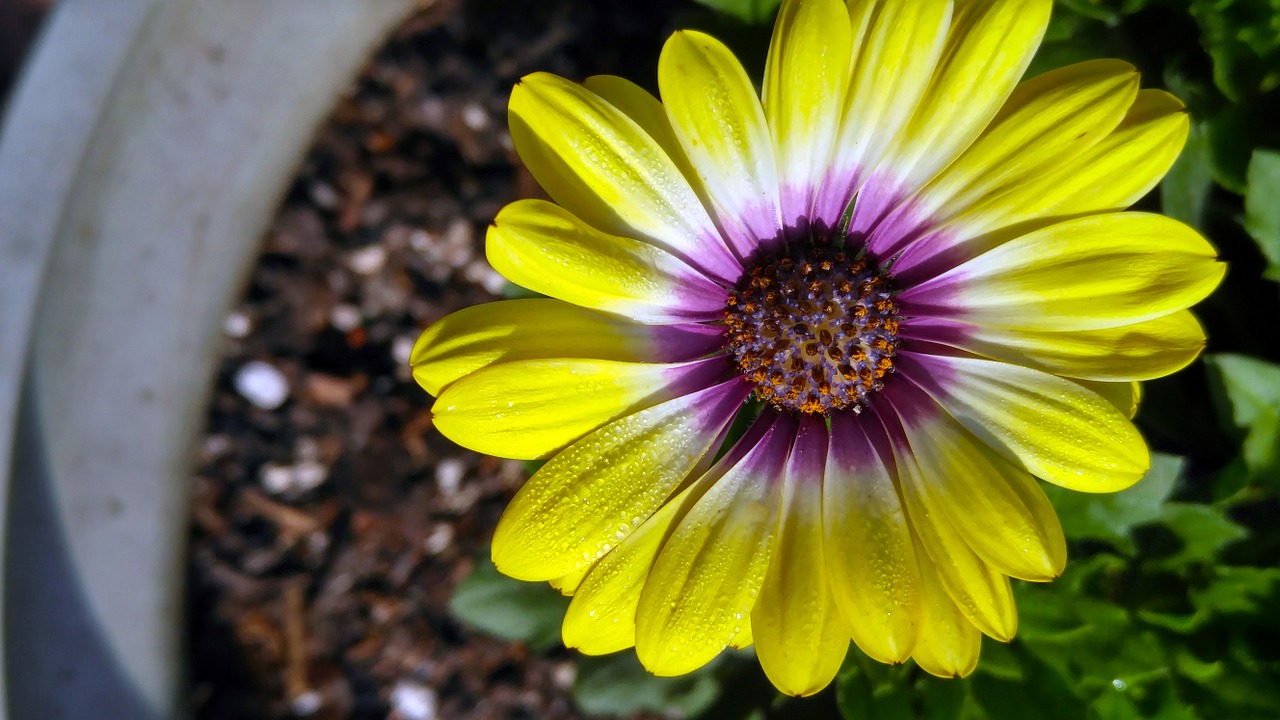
column 602, row 616
column 1125, row 396
column 1142, row 351
column 540, row 246
column 645, row 109
column 604, row 168
column 871, row 561
column 893, row 61
column 704, row 583
column 529, row 408
column 1056, row 114
column 1055, row 428
column 800, row 636
column 587, row 498
column 949, row 644
column 1109, row 176
column 719, row 122
column 804, row 83
column 988, row 47
column 1094, row 272
column 997, row 508
column 483, row 335
column 569, row 584
column 981, row 593
column 1047, row 119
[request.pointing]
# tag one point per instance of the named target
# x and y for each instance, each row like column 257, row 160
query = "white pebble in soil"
column 564, row 675
column 308, row 476
column 237, row 325
column 344, row 317
column 262, row 384
column 367, row 260
column 411, row 701
column 439, row 540
column 402, row 349
column 449, row 475
column 475, row 117
column 483, row 274
column 276, row 479
column 307, row 703
column 420, row 240
column 293, row 479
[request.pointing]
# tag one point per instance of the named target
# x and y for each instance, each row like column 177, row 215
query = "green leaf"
column 1261, row 449
column 619, row 685
column 1111, row 518
column 1042, row 689
column 510, row 609
column 752, row 12
column 998, row 660
column 1234, row 133
column 1193, row 667
column 1243, row 39
column 1203, row 529
column 1155, row 700
column 1262, row 207
column 1062, row 44
column 1232, row 591
column 1087, row 641
column 1108, row 11
column 1251, row 385
column 942, row 699
column 1239, row 590
column 866, row 689
column 1184, row 193
column 1250, row 389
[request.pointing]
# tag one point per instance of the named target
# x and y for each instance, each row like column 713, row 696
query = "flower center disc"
column 814, row 328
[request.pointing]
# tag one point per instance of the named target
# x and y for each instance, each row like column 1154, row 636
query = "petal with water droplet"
column 1087, row 273
column 529, row 408
column 707, row 575
column 604, row 168
column 982, row 594
column 949, row 644
column 571, row 512
column 1055, row 428
column 602, row 616
column 801, row 637
column 717, row 118
column 996, row 507
column 537, row 328
column 543, row 247
column 870, row 558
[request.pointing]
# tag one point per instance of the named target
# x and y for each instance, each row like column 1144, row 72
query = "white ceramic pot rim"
column 141, row 158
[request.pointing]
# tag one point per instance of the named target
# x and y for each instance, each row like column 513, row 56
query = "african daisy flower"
column 907, row 275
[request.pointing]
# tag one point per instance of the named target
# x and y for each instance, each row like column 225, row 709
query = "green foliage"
column 1243, row 38
column 1186, row 190
column 1112, row 518
column 618, row 685
column 509, row 609
column 752, row 12
column 1249, row 395
column 613, row 685
column 1262, row 207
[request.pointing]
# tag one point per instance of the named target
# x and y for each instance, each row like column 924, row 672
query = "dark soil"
column 329, row 532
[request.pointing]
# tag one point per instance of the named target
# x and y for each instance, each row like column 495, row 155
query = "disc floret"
column 815, row 327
